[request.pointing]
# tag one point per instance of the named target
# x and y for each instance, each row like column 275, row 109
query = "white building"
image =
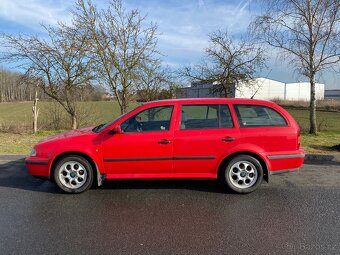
column 259, row 88
column 267, row 89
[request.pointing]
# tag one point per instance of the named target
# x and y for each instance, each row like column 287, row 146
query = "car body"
column 179, row 138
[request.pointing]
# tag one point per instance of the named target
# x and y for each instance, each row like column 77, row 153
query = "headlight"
column 33, row 152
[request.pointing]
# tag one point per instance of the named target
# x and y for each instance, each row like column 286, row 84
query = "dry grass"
column 322, row 105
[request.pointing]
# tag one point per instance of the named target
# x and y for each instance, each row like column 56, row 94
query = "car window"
column 205, row 116
column 258, row 115
column 152, row 119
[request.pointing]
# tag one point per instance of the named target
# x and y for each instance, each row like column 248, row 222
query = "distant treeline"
column 15, row 87
column 12, row 89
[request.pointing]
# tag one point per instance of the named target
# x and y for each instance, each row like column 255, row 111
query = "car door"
column 145, row 147
column 204, row 133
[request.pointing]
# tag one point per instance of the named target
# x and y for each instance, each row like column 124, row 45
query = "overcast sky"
column 183, row 26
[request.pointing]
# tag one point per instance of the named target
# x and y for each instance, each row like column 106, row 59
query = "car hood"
column 68, row 134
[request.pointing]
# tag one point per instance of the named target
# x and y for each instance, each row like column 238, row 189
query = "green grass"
column 21, row 143
column 326, row 121
column 323, row 143
column 16, row 119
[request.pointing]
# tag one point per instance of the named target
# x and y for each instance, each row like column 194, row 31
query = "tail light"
column 299, row 138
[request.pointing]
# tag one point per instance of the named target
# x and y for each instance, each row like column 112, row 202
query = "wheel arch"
column 234, row 154
column 93, row 164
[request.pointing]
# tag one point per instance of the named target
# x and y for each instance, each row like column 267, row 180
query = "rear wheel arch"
column 228, row 158
column 96, row 173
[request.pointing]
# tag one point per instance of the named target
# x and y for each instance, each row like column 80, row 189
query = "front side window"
column 152, row 119
column 205, row 117
column 258, row 115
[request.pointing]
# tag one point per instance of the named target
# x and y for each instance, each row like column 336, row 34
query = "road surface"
column 298, row 213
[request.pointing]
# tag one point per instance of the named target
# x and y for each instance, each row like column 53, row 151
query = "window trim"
column 218, row 112
column 152, row 131
column 239, row 119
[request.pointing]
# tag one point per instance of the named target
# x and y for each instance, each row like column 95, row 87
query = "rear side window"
column 205, row 117
column 258, row 115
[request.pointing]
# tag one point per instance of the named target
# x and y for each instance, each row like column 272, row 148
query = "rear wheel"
column 73, row 174
column 243, row 174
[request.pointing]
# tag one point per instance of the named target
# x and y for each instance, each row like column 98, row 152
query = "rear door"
column 204, row 132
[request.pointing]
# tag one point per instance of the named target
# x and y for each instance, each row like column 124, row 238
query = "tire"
column 243, row 174
column 73, row 174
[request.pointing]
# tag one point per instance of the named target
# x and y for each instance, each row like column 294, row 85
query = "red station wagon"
column 240, row 141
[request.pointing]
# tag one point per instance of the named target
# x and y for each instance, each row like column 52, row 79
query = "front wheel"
column 243, row 174
column 73, row 174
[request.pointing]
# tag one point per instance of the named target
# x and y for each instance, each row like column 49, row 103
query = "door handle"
column 228, row 139
column 164, row 141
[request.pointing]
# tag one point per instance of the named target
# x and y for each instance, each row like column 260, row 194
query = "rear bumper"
column 38, row 166
column 285, row 162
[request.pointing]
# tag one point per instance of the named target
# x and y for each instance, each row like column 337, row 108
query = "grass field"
column 15, row 124
column 17, row 117
column 326, row 121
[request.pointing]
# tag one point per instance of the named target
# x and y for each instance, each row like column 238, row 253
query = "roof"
column 209, row 100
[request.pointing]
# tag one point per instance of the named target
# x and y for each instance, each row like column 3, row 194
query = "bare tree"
column 61, row 64
column 307, row 32
column 227, row 63
column 121, row 42
column 152, row 79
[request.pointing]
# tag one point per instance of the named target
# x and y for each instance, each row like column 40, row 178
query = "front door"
column 144, row 149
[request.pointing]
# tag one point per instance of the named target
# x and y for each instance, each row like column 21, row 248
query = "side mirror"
column 116, row 130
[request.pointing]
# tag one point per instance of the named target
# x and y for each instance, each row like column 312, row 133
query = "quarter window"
column 152, row 119
column 258, row 115
column 205, row 117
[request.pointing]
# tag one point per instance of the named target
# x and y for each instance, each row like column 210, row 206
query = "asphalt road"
column 297, row 213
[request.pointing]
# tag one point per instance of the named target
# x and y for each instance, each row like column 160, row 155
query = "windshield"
column 101, row 127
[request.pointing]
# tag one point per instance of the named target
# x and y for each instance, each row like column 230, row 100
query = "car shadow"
column 212, row 186
column 13, row 174
column 334, row 148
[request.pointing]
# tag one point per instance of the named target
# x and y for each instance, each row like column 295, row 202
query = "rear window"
column 205, row 116
column 258, row 116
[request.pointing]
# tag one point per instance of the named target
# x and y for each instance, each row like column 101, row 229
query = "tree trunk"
column 74, row 121
column 123, row 101
column 122, row 110
column 35, row 111
column 225, row 91
column 312, row 106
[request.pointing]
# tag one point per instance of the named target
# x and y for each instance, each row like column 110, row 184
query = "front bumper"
column 38, row 166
